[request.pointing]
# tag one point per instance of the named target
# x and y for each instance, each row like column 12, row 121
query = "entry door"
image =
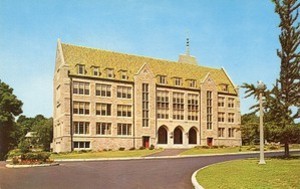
column 209, row 141
column 146, row 141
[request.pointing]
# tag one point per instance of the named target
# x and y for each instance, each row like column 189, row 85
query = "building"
column 110, row 100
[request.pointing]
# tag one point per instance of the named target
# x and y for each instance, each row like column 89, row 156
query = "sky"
column 241, row 36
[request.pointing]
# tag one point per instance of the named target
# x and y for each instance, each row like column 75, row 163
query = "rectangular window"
column 209, row 110
column 193, row 107
column 81, row 128
column 162, row 103
column 221, row 101
column 103, row 90
column 145, row 104
column 96, row 71
column 124, row 129
column 231, row 117
column 81, row 88
column 124, row 92
column 81, row 145
column 192, row 83
column 230, row 102
column 221, row 132
column 221, row 117
column 103, row 109
column 231, row 132
column 162, row 79
column 103, row 128
column 178, row 106
column 80, row 69
column 177, row 81
column 81, row 108
column 124, row 110
column 110, row 73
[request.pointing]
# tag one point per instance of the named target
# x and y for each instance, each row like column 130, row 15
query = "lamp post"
column 261, row 87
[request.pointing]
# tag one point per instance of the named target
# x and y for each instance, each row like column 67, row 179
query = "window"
column 209, row 109
column 221, row 101
column 124, row 129
column 123, row 75
column 124, row 111
column 103, row 109
column 80, row 69
column 230, row 132
column 81, row 128
column 224, row 87
column 81, row 108
column 178, row 106
column 231, row 117
column 103, row 128
column 81, row 88
column 110, row 73
column 221, row 132
column 162, row 103
column 192, row 83
column 123, row 92
column 103, row 90
column 230, row 102
column 177, row 81
column 193, row 107
column 81, row 145
column 145, row 104
column 162, row 79
column 221, row 117
column 95, row 71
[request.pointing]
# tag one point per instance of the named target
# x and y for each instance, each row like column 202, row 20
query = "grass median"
column 105, row 154
column 236, row 149
column 277, row 173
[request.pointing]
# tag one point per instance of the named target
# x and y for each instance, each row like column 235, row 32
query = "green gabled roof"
column 74, row 55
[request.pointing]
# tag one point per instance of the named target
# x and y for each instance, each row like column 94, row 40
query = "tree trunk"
column 286, row 149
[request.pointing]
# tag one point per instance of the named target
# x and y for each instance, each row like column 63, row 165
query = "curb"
column 26, row 166
column 162, row 157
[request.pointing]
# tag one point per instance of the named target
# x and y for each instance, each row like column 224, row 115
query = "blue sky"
column 241, row 36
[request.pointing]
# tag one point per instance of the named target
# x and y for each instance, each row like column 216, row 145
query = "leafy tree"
column 249, row 128
column 284, row 96
column 10, row 107
column 44, row 131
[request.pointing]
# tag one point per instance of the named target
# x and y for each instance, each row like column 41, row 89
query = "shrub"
column 214, row 147
column 142, row 148
column 24, row 146
column 36, row 156
column 205, row 147
column 14, row 153
column 121, row 149
column 133, row 148
column 152, row 147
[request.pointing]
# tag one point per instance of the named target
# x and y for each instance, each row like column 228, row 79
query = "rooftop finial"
column 187, row 44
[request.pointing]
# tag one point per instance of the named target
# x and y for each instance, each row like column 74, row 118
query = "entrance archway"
column 162, row 135
column 178, row 135
column 192, row 136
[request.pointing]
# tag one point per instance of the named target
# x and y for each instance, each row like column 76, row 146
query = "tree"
column 249, row 128
column 285, row 95
column 10, row 107
column 44, row 131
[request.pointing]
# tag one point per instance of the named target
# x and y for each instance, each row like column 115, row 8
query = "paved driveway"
column 132, row 174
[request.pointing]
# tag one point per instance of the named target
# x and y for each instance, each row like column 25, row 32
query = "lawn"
column 277, row 173
column 202, row 150
column 105, row 154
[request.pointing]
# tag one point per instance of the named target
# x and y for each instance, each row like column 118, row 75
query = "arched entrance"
column 192, row 136
column 162, row 135
column 178, row 135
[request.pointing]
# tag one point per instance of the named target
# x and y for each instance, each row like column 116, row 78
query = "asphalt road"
column 132, row 174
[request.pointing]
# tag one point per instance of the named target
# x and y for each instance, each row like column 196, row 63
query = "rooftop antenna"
column 187, row 44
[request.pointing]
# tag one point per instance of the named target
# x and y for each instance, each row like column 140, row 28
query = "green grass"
column 199, row 150
column 104, row 154
column 277, row 173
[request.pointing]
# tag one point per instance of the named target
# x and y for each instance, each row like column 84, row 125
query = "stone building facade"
column 107, row 100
